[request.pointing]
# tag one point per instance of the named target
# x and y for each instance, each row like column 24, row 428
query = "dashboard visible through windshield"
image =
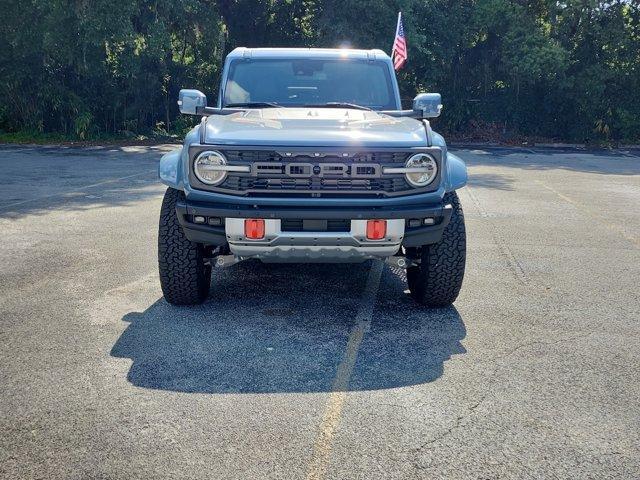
column 301, row 82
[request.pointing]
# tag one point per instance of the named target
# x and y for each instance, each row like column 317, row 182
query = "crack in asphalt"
column 499, row 363
column 514, row 264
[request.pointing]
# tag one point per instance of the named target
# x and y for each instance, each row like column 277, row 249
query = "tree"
column 535, row 67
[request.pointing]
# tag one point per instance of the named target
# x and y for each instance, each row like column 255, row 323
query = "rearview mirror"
column 427, row 105
column 189, row 101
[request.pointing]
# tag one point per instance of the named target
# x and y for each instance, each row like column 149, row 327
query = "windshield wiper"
column 253, row 105
column 338, row 105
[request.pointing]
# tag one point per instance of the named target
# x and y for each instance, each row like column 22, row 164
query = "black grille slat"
column 272, row 156
column 243, row 184
column 291, row 224
column 251, row 156
column 338, row 225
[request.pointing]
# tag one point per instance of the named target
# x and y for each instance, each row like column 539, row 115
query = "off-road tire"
column 438, row 279
column 184, row 277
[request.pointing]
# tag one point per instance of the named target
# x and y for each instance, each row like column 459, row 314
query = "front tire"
column 185, row 278
column 436, row 282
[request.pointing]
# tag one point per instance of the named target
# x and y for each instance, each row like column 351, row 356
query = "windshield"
column 300, row 82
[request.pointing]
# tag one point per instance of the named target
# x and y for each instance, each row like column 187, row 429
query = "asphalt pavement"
column 320, row 371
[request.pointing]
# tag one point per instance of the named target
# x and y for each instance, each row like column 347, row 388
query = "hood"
column 314, row 127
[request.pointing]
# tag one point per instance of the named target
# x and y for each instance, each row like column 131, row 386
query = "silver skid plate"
column 313, row 247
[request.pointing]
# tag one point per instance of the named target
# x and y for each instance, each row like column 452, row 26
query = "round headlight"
column 207, row 167
column 428, row 168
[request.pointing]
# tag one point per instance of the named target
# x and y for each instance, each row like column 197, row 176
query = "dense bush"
column 567, row 70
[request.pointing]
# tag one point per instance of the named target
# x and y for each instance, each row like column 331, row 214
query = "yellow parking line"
column 337, row 397
column 592, row 214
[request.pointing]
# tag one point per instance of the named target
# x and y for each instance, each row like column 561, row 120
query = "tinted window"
column 299, row 82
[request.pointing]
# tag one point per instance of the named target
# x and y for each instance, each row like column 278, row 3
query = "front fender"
column 169, row 169
column 456, row 173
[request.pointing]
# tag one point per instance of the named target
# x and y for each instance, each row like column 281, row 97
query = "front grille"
column 308, row 173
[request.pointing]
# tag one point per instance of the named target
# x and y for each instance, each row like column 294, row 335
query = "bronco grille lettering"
column 322, row 170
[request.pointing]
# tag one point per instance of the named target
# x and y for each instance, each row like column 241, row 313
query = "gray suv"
column 307, row 156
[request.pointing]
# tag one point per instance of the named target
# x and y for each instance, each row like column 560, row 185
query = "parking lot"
column 321, row 371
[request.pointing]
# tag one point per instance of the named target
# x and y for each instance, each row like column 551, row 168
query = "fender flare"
column 173, row 167
column 169, row 169
column 456, row 173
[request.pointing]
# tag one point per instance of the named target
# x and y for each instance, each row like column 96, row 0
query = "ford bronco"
column 308, row 157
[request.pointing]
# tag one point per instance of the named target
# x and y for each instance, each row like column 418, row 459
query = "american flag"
column 399, row 51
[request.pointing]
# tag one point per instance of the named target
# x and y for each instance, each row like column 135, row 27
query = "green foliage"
column 86, row 68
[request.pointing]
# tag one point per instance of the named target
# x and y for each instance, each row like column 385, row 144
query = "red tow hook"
column 376, row 229
column 254, row 228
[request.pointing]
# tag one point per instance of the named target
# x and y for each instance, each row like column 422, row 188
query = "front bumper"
column 216, row 235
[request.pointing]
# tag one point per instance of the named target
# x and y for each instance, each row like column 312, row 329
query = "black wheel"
column 184, row 277
column 438, row 279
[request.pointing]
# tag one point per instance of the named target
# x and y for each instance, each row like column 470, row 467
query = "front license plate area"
column 314, row 225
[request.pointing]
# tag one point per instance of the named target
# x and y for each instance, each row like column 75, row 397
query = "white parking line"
column 337, row 397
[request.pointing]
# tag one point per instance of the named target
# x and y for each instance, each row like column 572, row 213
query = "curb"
column 545, row 146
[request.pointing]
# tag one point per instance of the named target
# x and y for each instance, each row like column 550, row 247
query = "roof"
column 327, row 53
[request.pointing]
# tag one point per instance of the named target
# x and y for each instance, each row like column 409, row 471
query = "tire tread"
column 438, row 279
column 184, row 277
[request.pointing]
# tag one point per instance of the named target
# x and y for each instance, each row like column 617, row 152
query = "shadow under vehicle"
column 261, row 332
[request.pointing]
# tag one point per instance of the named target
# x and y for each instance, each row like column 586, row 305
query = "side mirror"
column 189, row 101
column 427, row 105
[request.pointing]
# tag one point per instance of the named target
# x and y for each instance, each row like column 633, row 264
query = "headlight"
column 207, row 167
column 426, row 170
